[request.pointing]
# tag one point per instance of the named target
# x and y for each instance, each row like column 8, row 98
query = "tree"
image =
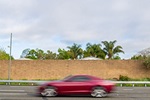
column 63, row 54
column 116, row 57
column 38, row 54
column 75, row 51
column 138, row 57
column 50, row 55
column 94, row 51
column 4, row 55
column 31, row 54
column 146, row 62
column 110, row 49
column 34, row 54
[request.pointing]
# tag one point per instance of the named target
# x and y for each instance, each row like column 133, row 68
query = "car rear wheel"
column 49, row 91
column 98, row 92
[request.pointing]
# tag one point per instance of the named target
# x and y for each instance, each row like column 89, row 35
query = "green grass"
column 18, row 84
column 131, row 85
column 2, row 83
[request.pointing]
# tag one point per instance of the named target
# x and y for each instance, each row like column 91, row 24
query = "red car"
column 77, row 84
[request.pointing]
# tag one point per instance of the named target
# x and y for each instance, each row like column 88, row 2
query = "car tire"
column 49, row 92
column 98, row 92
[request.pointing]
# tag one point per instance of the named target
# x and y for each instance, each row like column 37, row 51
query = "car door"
column 77, row 84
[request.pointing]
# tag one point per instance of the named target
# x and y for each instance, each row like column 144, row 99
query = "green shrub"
column 2, row 83
column 139, row 57
column 139, row 85
column 127, row 85
column 124, row 78
column 145, row 79
column 146, row 62
column 131, row 85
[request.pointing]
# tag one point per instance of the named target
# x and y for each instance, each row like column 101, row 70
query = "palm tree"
column 75, row 51
column 110, row 48
column 94, row 50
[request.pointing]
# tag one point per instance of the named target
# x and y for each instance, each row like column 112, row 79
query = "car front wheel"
column 49, row 91
column 98, row 92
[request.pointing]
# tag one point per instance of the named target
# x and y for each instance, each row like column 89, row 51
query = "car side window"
column 80, row 79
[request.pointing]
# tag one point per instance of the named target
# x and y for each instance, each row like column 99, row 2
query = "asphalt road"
column 28, row 93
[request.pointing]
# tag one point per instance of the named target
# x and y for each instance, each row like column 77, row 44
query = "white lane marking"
column 13, row 93
column 12, row 90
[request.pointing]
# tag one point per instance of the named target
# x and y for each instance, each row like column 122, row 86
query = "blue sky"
column 53, row 24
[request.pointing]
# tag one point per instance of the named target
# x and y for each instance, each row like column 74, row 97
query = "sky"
column 53, row 24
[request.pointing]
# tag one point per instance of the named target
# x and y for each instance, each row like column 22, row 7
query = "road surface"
column 28, row 93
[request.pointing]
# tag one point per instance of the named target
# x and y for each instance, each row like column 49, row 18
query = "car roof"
column 90, row 76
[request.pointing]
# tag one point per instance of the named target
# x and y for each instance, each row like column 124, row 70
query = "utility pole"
column 9, row 67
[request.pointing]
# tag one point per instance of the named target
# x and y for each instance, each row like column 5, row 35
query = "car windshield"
column 67, row 77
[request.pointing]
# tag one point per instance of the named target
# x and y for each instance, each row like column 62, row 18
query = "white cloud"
column 53, row 24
